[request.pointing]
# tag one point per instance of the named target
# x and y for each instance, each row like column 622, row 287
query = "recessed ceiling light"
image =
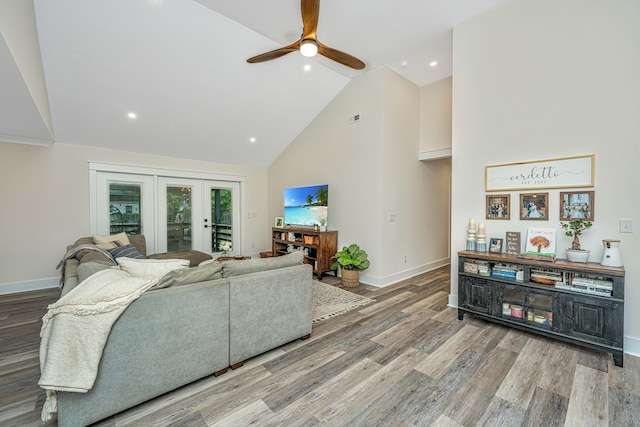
column 252, row 140
column 404, row 63
column 307, row 67
column 433, row 63
column 132, row 115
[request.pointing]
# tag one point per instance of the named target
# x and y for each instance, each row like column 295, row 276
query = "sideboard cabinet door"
column 476, row 294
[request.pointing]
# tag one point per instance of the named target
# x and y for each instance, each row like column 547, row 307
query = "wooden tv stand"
column 318, row 246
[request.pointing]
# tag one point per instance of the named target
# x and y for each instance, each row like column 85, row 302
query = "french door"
column 198, row 214
column 174, row 213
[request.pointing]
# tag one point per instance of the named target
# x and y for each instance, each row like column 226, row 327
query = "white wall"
column 45, row 204
column 544, row 79
column 373, row 171
column 435, row 115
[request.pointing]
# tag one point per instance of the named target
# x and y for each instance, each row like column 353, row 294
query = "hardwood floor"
column 403, row 360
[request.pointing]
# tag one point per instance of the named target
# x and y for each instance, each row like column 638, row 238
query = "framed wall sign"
column 576, row 205
column 564, row 172
column 513, row 245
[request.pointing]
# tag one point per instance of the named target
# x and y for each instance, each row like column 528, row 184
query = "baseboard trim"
column 453, row 301
column 632, row 346
column 29, row 285
column 381, row 282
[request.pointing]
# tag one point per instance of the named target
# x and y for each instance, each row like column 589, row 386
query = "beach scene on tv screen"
column 306, row 205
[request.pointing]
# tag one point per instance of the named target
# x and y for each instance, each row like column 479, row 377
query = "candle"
column 481, row 228
column 472, row 224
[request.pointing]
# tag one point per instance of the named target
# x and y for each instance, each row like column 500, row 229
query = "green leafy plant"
column 351, row 258
column 574, row 229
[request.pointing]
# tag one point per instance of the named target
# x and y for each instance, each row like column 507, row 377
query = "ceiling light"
column 132, row 115
column 433, row 63
column 308, row 48
column 404, row 63
column 252, row 140
column 307, row 67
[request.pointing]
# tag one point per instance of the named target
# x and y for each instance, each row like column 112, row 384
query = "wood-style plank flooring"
column 403, row 360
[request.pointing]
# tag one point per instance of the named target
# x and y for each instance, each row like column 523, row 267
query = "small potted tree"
column 351, row 260
column 574, row 229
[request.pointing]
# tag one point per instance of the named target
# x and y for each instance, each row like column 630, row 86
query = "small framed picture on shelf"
column 498, row 206
column 279, row 222
column 534, row 206
column 576, row 205
column 495, row 245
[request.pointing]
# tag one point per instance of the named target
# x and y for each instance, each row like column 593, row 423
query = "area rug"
column 329, row 301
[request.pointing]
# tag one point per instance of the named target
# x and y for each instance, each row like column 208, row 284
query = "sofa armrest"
column 269, row 309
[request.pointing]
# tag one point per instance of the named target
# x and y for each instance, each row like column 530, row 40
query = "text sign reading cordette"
column 564, row 172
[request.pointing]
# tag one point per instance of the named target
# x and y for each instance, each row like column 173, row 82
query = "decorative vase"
column 578, row 256
column 350, row 278
column 323, row 228
column 611, row 255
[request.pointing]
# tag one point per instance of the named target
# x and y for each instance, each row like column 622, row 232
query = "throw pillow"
column 237, row 268
column 186, row 276
column 148, row 268
column 128, row 251
column 110, row 241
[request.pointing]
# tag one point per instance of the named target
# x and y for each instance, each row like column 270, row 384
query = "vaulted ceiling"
column 71, row 71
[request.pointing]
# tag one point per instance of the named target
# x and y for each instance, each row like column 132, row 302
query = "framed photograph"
column 534, row 206
column 563, row 172
column 279, row 222
column 498, row 206
column 576, row 205
column 495, row 245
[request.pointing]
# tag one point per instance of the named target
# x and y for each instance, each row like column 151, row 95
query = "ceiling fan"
column 308, row 45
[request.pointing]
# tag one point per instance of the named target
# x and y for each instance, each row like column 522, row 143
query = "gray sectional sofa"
column 180, row 332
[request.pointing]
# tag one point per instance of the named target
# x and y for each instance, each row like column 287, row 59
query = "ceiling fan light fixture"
column 308, row 48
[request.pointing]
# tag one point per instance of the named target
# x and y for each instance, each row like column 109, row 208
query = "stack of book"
column 592, row 285
column 484, row 269
column 507, row 271
column 547, row 277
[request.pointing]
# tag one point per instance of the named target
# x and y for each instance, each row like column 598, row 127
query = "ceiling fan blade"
column 276, row 53
column 310, row 13
column 341, row 57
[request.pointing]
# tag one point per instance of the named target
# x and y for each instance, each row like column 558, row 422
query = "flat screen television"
column 306, row 206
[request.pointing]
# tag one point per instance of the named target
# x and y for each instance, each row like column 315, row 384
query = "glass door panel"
column 124, row 203
column 125, row 208
column 179, row 207
column 221, row 220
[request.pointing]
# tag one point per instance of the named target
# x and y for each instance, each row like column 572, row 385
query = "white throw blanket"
column 75, row 331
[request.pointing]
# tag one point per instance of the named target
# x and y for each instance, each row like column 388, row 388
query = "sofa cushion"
column 194, row 257
column 185, row 276
column 237, row 268
column 128, row 251
column 148, row 268
column 86, row 269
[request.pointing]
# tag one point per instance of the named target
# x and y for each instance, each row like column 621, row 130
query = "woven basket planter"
column 350, row 278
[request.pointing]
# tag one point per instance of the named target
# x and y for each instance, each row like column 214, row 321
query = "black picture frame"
column 495, row 245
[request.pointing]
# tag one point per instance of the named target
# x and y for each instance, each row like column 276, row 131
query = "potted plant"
column 574, row 229
column 351, row 260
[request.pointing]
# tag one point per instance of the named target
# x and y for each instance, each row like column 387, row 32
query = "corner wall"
column 45, row 205
column 373, row 172
column 544, row 79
